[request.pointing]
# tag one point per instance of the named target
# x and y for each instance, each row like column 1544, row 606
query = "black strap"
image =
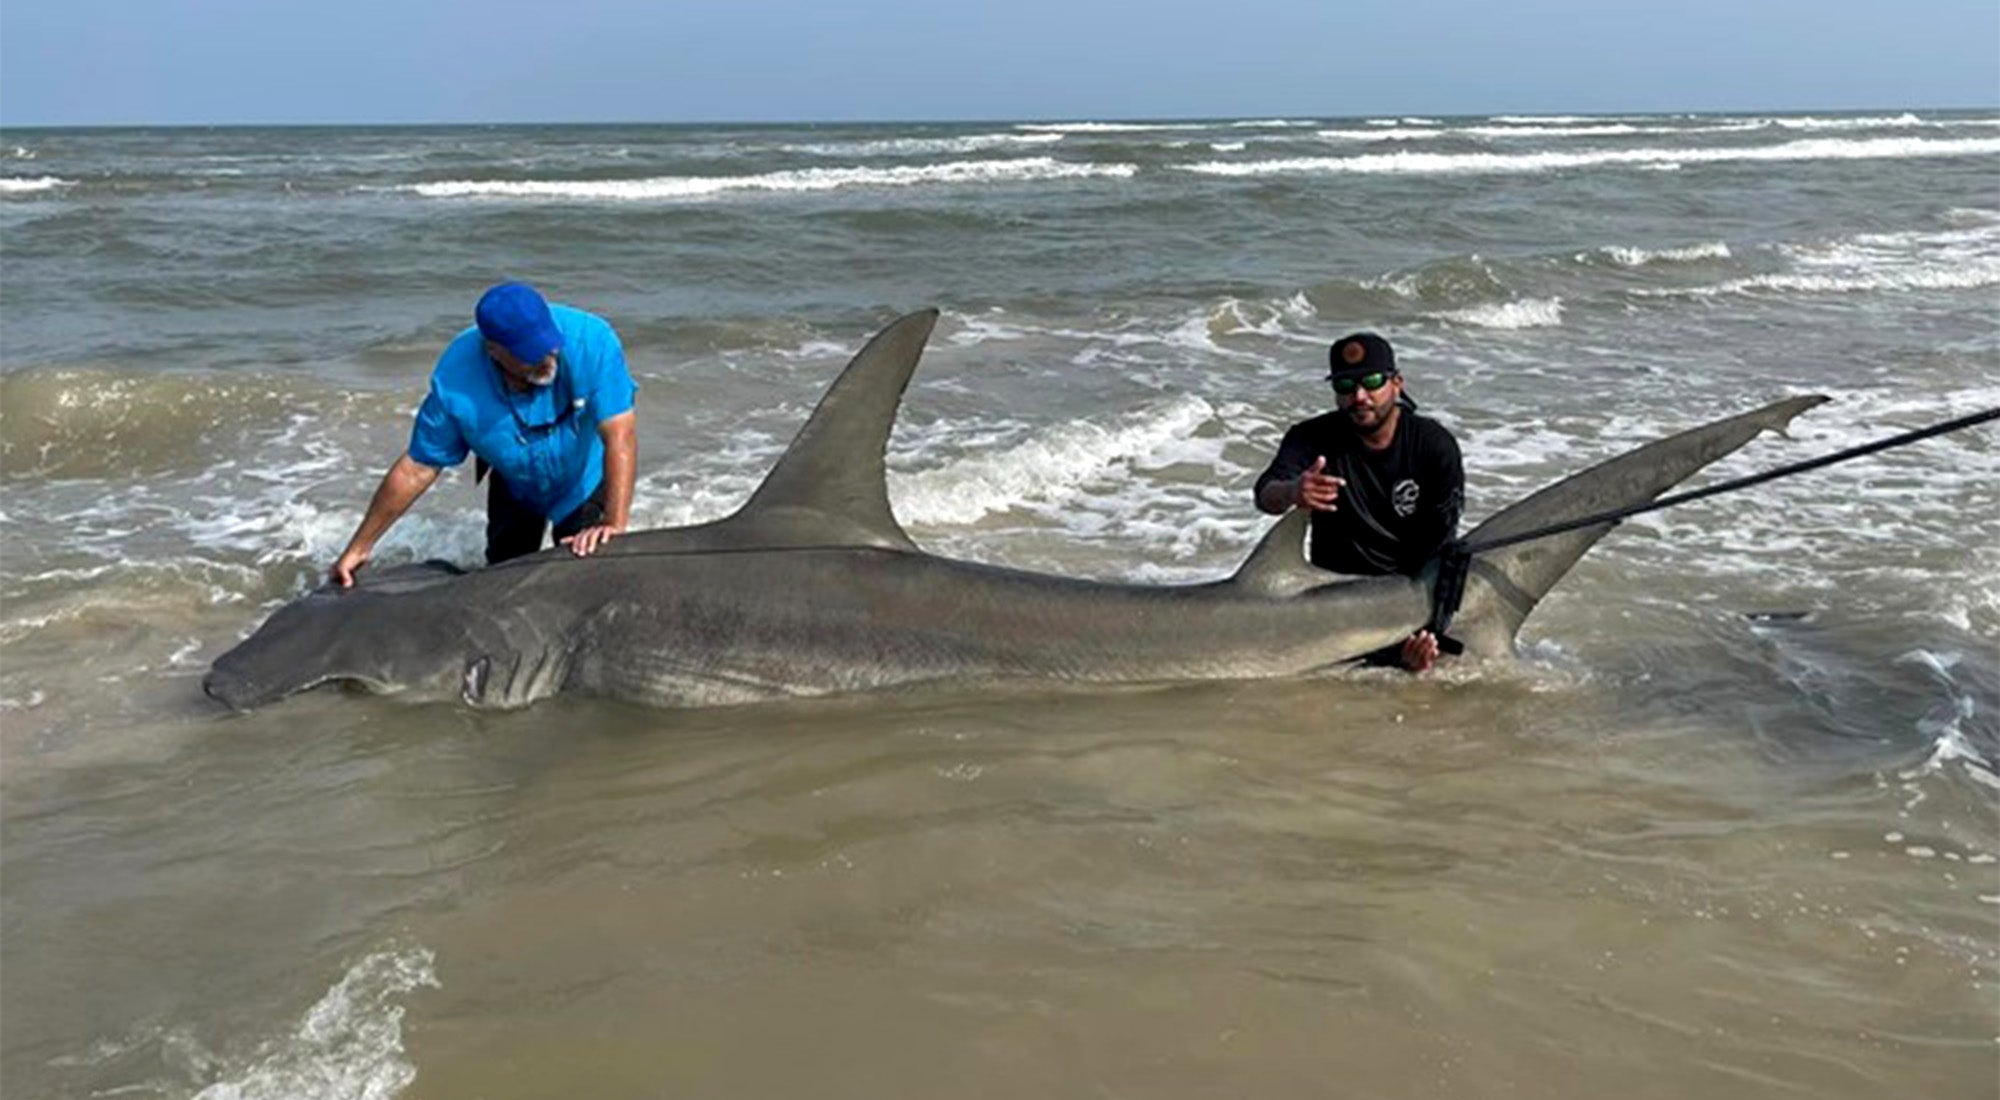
column 1454, row 564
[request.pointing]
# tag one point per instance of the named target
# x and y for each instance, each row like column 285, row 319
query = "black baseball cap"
column 1360, row 353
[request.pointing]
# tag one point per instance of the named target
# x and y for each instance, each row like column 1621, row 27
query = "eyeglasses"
column 526, row 431
column 1373, row 380
column 536, row 431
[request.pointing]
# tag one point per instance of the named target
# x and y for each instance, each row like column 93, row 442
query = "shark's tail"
column 1505, row 584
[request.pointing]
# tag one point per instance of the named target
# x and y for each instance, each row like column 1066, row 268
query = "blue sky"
column 88, row 62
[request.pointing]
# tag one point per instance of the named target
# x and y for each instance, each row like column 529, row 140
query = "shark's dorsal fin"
column 1278, row 566
column 829, row 488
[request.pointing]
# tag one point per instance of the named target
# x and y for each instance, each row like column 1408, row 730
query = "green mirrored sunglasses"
column 1373, row 380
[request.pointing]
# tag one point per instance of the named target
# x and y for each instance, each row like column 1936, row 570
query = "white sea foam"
column 969, row 330
column 1107, row 127
column 277, row 526
column 1857, row 123
column 1049, row 466
column 1553, row 120
column 669, row 188
column 19, row 185
column 932, row 146
column 1820, row 125
column 21, row 152
column 1968, row 277
column 1945, row 724
column 1273, row 123
column 1953, row 259
column 1900, row 148
column 1907, row 119
column 350, row 1044
column 1387, row 133
column 1640, row 257
column 1521, row 313
column 1972, row 216
column 1607, row 130
column 1279, row 319
column 1227, row 146
column 1857, row 530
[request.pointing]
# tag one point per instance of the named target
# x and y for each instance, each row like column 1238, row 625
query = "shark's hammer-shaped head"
column 375, row 635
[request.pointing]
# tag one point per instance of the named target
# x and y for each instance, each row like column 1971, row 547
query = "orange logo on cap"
column 1352, row 353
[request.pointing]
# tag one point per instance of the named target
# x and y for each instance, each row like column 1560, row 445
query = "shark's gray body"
column 813, row 588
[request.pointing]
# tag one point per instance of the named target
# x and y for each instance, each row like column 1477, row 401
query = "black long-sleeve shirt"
column 1400, row 504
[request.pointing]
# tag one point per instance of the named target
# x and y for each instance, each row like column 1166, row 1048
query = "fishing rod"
column 1456, row 561
column 1615, row 514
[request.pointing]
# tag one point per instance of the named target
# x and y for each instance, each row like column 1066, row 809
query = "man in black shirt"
column 1385, row 485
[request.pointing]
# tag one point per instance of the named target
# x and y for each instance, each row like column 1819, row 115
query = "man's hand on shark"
column 1420, row 652
column 344, row 567
column 587, row 541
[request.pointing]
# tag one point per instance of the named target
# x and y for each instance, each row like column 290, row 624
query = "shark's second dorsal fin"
column 829, row 488
column 1278, row 566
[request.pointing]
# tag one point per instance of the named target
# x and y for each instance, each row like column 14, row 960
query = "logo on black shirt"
column 1405, row 496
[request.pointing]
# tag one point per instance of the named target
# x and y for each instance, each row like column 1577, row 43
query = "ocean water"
column 1683, row 847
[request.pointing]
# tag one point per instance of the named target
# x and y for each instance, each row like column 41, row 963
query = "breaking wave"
column 1968, row 277
column 1497, row 163
column 1553, row 120
column 1049, row 465
column 1523, row 313
column 797, row 180
column 1387, row 133
column 1860, row 123
column 1640, row 257
column 1106, row 127
column 911, row 147
column 350, row 1044
column 18, row 185
column 1955, row 259
column 97, row 422
column 1612, row 129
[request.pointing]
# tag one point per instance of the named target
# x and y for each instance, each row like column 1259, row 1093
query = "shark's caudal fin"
column 830, row 486
column 1505, row 584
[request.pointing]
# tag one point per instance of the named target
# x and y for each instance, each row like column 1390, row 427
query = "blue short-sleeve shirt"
column 543, row 441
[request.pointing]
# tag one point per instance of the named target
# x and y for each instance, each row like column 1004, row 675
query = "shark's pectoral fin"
column 830, row 487
column 1278, row 566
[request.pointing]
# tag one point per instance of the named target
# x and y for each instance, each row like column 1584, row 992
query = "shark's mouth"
column 239, row 692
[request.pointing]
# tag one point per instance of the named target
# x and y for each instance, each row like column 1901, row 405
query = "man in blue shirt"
column 541, row 395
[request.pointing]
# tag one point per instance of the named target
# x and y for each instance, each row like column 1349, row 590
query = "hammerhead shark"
column 813, row 588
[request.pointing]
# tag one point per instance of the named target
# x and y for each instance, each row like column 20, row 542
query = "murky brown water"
column 1676, row 853
column 1532, row 883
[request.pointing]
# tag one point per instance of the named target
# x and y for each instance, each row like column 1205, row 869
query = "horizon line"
column 988, row 120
